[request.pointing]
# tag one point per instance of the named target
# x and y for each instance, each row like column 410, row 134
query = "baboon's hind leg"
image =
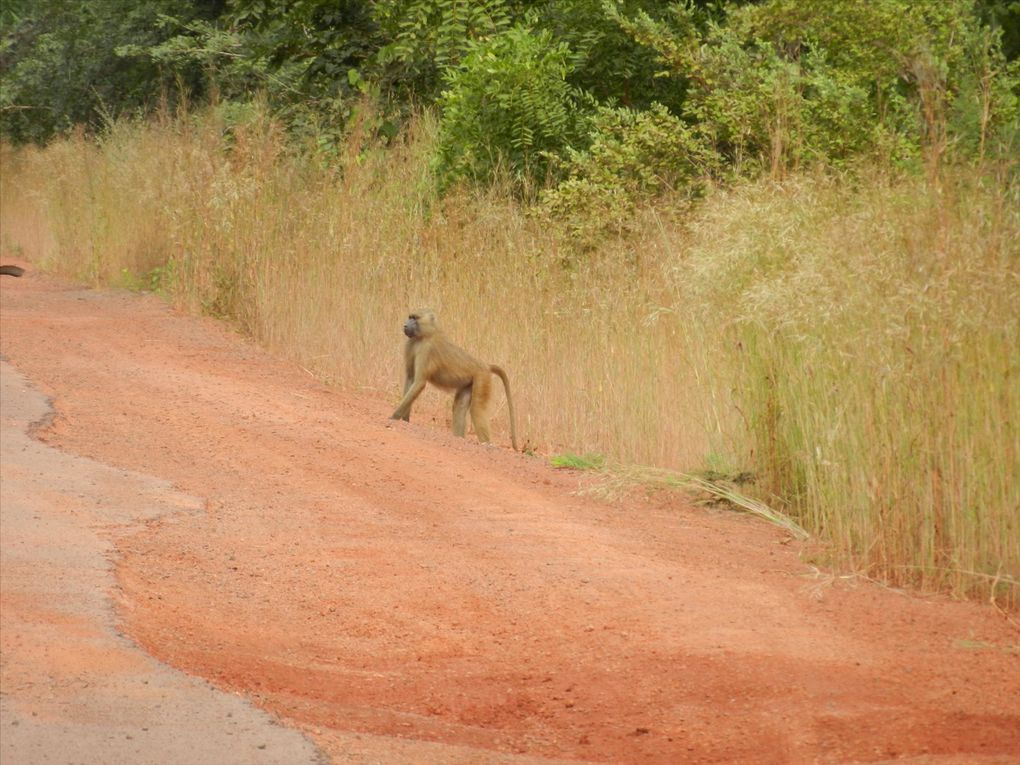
column 461, row 403
column 482, row 392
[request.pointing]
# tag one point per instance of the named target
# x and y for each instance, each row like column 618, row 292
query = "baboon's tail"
column 12, row 270
column 509, row 403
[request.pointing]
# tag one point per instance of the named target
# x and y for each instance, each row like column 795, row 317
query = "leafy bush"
column 774, row 86
column 304, row 59
column 80, row 62
column 608, row 63
column 633, row 157
column 507, row 107
column 427, row 37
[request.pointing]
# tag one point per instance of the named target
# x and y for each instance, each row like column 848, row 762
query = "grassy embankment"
column 854, row 344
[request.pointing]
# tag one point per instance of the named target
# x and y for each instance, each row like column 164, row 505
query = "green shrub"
column 633, row 157
column 507, row 107
column 427, row 37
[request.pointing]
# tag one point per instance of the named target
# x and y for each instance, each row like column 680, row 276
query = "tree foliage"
column 542, row 88
column 784, row 83
column 632, row 156
column 607, row 62
column 426, row 38
column 507, row 106
column 71, row 62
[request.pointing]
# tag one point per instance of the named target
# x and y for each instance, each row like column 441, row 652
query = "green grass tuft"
column 578, row 461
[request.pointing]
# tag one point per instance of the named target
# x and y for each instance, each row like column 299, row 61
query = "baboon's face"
column 420, row 324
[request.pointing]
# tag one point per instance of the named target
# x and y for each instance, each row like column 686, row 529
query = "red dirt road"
column 404, row 596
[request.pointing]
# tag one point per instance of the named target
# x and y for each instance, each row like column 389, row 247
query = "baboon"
column 430, row 357
column 11, row 270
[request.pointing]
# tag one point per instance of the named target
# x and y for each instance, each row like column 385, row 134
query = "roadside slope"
column 377, row 582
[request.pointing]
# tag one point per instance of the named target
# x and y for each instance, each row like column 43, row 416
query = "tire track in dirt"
column 392, row 590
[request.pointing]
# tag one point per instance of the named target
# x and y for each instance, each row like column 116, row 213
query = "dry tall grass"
column 853, row 344
column 877, row 352
column 324, row 264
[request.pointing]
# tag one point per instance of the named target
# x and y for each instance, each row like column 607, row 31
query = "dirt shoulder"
column 72, row 689
column 404, row 596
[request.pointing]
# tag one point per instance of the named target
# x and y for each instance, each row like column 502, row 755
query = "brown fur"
column 11, row 270
column 430, row 358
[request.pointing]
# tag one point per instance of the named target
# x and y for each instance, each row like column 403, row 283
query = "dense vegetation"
column 776, row 239
column 546, row 89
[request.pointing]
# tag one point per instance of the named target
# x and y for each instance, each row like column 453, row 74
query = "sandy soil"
column 404, row 596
